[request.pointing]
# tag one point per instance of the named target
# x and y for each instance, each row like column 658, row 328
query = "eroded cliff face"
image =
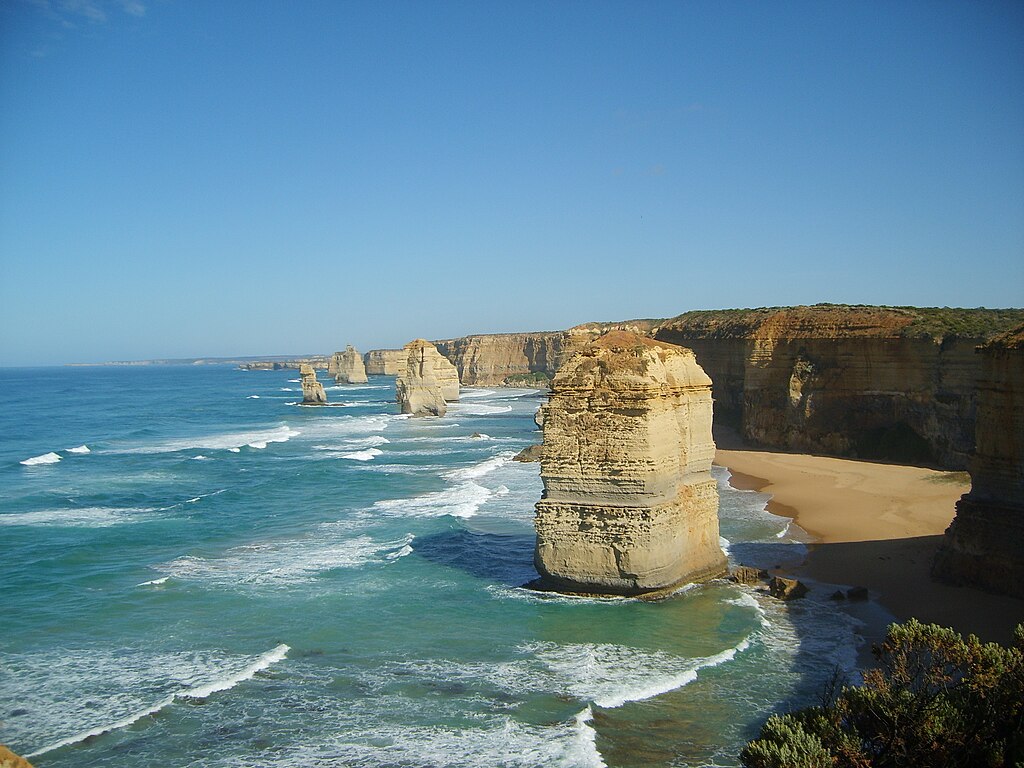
column 867, row 382
column 490, row 359
column 384, row 362
column 347, row 367
column 629, row 504
column 312, row 390
column 422, row 385
column 984, row 545
column 10, row 760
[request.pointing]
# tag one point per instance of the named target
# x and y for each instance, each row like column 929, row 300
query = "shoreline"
column 876, row 526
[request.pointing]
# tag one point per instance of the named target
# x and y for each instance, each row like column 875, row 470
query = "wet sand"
column 876, row 526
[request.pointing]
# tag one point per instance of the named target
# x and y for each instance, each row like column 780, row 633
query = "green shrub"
column 935, row 699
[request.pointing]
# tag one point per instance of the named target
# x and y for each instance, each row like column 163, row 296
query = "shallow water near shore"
column 198, row 569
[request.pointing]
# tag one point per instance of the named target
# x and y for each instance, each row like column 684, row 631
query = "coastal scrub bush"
column 935, row 699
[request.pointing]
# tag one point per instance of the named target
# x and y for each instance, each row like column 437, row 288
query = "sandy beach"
column 877, row 526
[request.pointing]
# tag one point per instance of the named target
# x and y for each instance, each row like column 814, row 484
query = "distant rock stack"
column 629, row 504
column 385, row 362
column 420, row 388
column 347, row 367
column 312, row 390
column 984, row 545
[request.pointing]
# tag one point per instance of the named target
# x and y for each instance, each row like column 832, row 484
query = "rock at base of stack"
column 312, row 390
column 421, row 385
column 347, row 367
column 629, row 504
column 984, row 545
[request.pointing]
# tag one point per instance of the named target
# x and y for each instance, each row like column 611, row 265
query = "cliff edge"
column 984, row 545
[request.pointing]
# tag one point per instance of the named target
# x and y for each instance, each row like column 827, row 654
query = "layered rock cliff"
column 347, row 367
column 490, row 359
column 312, row 390
column 870, row 382
column 984, row 545
column 384, row 362
column 629, row 505
column 422, row 385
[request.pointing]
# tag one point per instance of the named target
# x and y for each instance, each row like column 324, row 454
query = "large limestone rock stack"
column 312, row 390
column 386, row 362
column 984, row 545
column 425, row 383
column 347, row 367
column 629, row 504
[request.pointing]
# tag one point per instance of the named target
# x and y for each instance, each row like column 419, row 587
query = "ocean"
column 197, row 570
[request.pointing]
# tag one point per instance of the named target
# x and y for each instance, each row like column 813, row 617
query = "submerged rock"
column 312, row 390
column 420, row 387
column 629, row 504
column 529, row 454
column 347, row 367
column 786, row 589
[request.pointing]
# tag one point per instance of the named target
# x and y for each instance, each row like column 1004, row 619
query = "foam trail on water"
column 79, row 449
column 197, row 692
column 253, row 397
column 154, row 582
column 479, row 470
column 83, row 517
column 366, row 455
column 46, row 458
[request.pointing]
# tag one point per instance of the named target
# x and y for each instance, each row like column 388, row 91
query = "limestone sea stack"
column 629, row 504
column 312, row 390
column 984, row 545
column 385, row 362
column 347, row 367
column 421, row 386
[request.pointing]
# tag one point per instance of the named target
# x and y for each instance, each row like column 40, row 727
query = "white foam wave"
column 477, row 409
column 200, row 457
column 230, row 681
column 286, row 562
column 46, row 458
column 194, row 499
column 231, row 441
column 479, row 470
column 469, row 393
column 119, row 681
column 83, row 517
column 79, row 449
column 154, row 582
column 253, row 397
column 294, row 381
column 366, row 455
column 462, row 500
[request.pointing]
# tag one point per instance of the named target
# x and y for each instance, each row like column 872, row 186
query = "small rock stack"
column 347, row 367
column 312, row 390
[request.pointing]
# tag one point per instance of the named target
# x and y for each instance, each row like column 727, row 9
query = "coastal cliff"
column 312, row 390
column 629, row 505
column 384, row 362
column 492, row 359
column 984, row 545
column 10, row 760
column 427, row 381
column 885, row 383
column 347, row 367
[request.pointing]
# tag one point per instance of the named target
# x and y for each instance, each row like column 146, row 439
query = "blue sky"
column 215, row 178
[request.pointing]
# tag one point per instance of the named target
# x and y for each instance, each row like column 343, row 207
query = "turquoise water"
column 197, row 570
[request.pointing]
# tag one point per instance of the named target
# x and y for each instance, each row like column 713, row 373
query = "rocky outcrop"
column 499, row 359
column 312, row 390
column 385, row 362
column 10, row 760
column 984, row 545
column 347, row 367
column 629, row 505
column 421, row 386
column 868, row 382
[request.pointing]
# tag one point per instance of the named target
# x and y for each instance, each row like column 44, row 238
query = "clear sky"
column 182, row 178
